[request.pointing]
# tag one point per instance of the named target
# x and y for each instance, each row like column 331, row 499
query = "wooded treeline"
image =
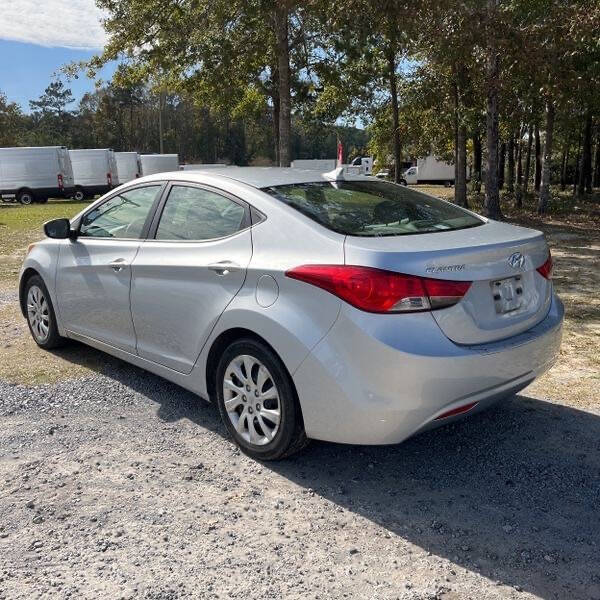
column 509, row 88
column 135, row 118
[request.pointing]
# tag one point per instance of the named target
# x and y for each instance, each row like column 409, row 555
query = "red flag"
column 340, row 154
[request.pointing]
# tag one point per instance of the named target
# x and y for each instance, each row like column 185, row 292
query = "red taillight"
column 546, row 269
column 379, row 291
column 109, row 179
column 60, row 181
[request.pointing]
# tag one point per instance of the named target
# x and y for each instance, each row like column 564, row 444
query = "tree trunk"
column 492, row 193
column 563, row 168
column 391, row 59
column 544, row 200
column 477, row 163
column 160, row 123
column 511, row 164
column 275, row 77
column 538, row 159
column 577, row 163
column 596, row 182
column 501, row 165
column 460, row 184
column 519, row 190
column 283, row 67
column 456, row 140
column 585, row 168
column 528, row 159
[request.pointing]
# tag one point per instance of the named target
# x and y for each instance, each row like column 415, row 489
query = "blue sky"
column 38, row 37
column 26, row 70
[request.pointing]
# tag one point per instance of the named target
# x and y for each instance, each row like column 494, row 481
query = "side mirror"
column 58, row 229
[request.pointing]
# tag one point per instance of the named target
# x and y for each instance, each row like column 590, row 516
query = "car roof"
column 259, row 177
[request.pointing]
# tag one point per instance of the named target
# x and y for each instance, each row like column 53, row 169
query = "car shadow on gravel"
column 512, row 494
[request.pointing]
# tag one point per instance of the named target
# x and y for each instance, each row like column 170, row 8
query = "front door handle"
column 224, row 267
column 118, row 265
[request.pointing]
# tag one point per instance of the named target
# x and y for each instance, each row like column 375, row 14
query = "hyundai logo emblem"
column 516, row 260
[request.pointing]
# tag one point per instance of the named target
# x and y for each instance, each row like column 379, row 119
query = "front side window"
column 372, row 208
column 122, row 216
column 194, row 214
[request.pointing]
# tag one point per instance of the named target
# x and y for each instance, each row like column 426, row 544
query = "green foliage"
column 11, row 122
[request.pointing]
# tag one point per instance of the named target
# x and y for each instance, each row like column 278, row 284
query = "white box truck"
column 94, row 170
column 128, row 166
column 200, row 166
column 30, row 174
column 430, row 170
column 365, row 163
column 315, row 164
column 159, row 163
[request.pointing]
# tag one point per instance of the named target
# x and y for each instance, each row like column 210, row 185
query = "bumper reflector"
column 457, row 411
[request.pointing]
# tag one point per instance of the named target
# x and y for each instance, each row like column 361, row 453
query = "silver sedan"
column 307, row 305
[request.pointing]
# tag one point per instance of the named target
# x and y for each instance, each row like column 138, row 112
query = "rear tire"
column 258, row 402
column 79, row 194
column 25, row 197
column 40, row 315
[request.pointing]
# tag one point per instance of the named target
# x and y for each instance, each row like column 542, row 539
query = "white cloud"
column 64, row 23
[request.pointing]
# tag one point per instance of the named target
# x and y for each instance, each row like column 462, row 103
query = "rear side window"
column 373, row 208
column 195, row 214
column 122, row 216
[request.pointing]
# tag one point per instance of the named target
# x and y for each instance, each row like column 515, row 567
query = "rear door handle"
column 118, row 265
column 224, row 267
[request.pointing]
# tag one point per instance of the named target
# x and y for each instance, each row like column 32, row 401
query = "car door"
column 187, row 272
column 93, row 277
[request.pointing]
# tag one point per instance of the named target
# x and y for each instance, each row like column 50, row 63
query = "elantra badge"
column 516, row 260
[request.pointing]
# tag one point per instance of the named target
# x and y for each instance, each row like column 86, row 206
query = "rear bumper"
column 378, row 379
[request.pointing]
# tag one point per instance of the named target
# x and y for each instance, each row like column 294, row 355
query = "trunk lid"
column 507, row 295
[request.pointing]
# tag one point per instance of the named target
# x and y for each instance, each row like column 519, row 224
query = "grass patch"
column 20, row 225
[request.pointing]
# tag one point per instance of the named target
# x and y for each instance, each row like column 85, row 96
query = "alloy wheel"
column 251, row 400
column 38, row 313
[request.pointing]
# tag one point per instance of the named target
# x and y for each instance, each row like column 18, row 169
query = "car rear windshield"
column 372, row 208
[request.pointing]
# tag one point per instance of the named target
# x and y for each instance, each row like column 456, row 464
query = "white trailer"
column 159, row 163
column 34, row 174
column 315, row 164
column 94, row 170
column 430, row 170
column 200, row 166
column 128, row 166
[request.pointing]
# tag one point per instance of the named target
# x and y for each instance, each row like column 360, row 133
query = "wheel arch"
column 221, row 342
column 24, row 189
column 28, row 273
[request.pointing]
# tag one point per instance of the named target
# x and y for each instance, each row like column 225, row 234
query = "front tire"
column 257, row 401
column 40, row 315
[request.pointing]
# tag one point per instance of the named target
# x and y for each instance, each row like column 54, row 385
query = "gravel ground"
column 122, row 485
